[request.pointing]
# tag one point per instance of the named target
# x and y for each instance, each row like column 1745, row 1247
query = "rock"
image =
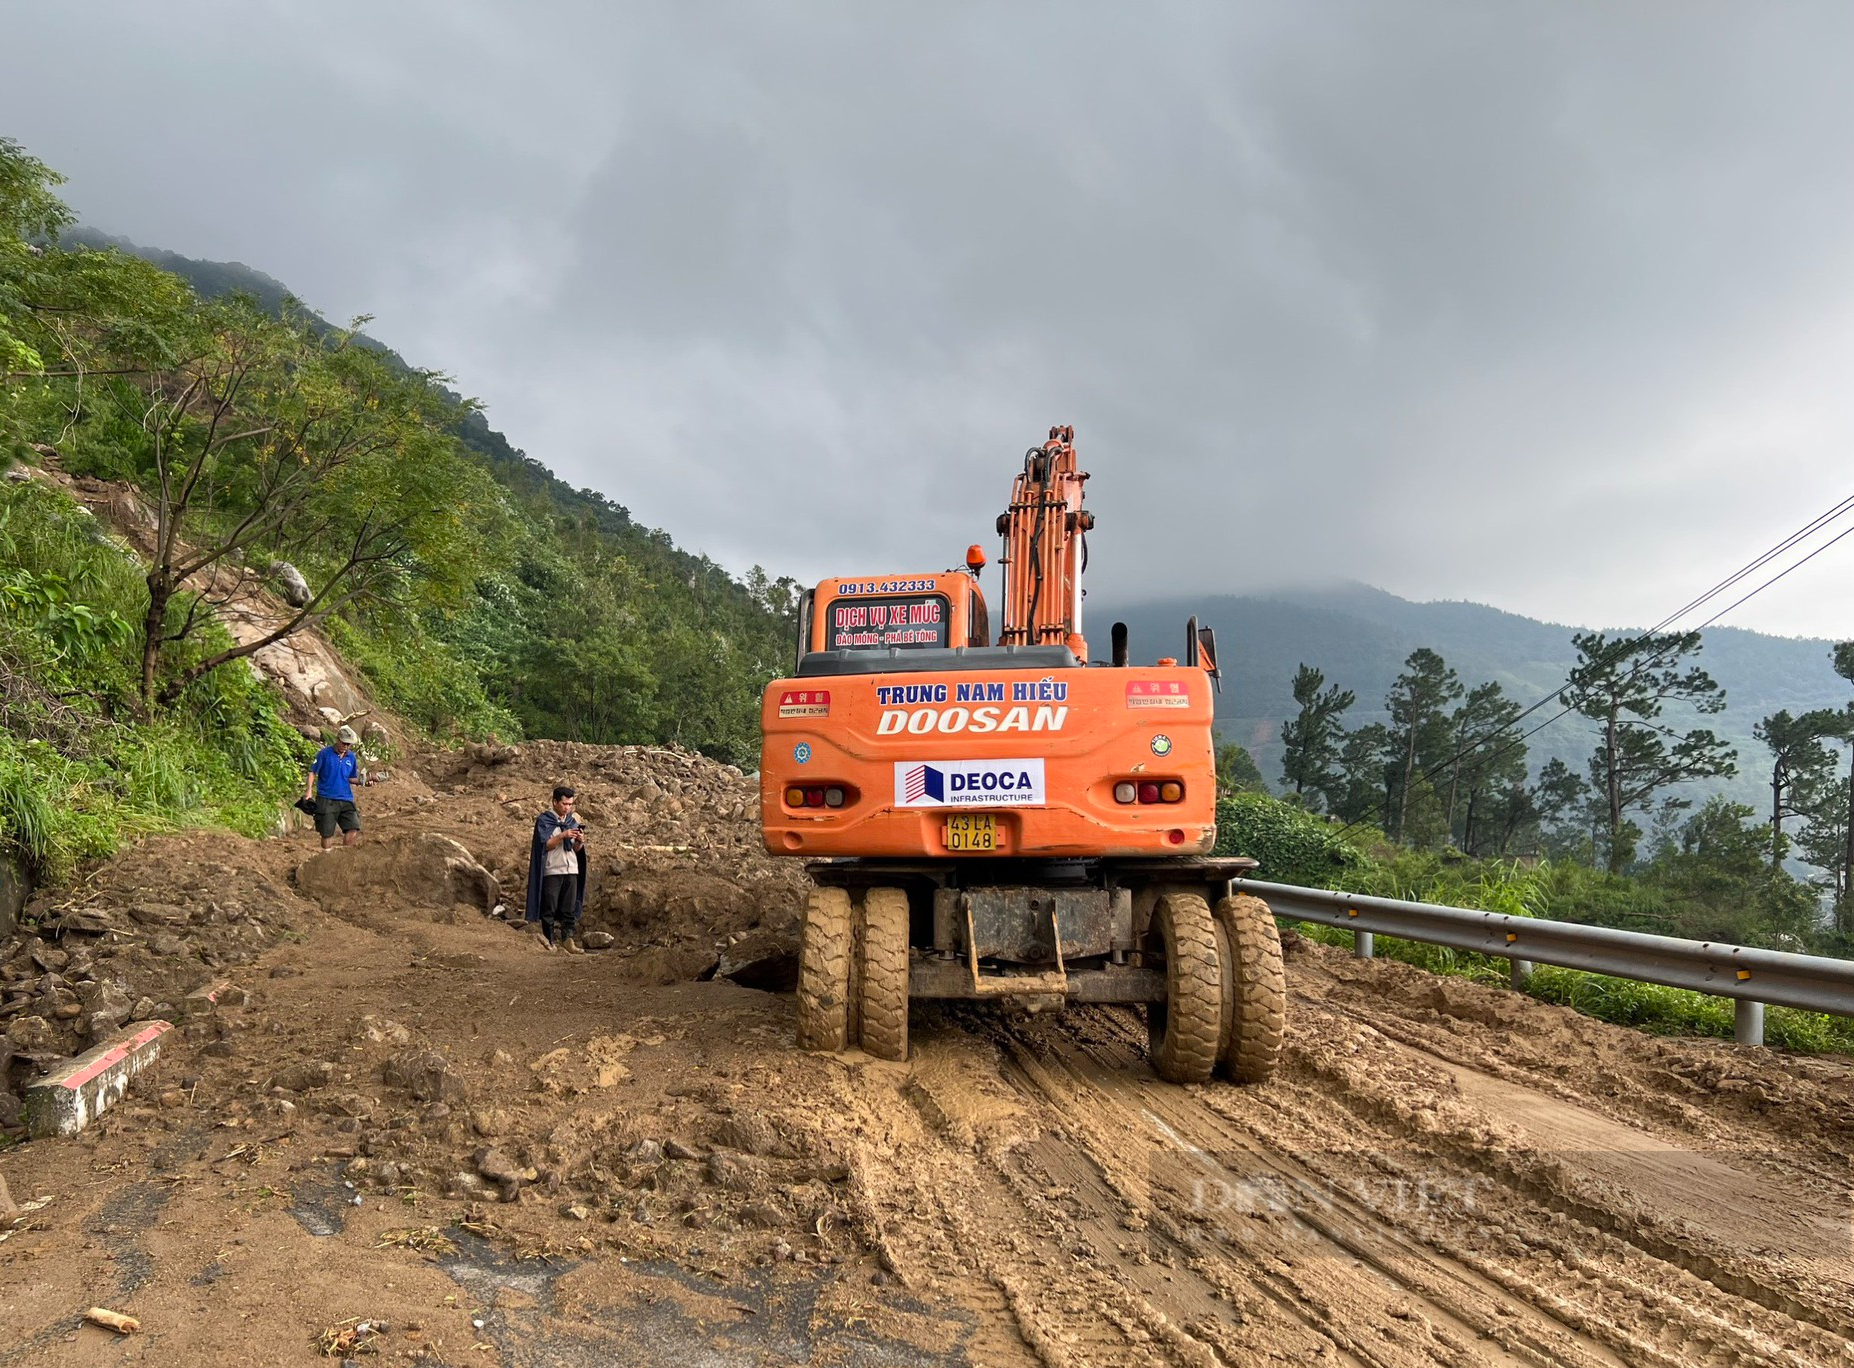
column 291, row 584
column 160, row 914
column 648, row 1152
column 675, row 1149
column 305, row 1077
column 427, row 1075
column 166, row 945
column 489, row 1121
column 219, row 1049
column 9, row 1209
column 736, row 1172
column 762, row 1215
column 598, row 940
column 764, row 960
column 379, row 1031
column 48, row 957
column 89, row 923
column 493, row 1164
column 145, row 1009
column 105, row 1003
column 32, row 1035
column 576, row 1213
column 12, row 1111
column 751, row 1133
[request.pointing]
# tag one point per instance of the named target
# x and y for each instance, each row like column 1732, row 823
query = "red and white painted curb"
column 64, row 1102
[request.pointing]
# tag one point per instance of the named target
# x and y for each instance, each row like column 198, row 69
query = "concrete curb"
column 65, row 1102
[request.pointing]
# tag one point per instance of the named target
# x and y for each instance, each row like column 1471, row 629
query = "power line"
column 1621, row 649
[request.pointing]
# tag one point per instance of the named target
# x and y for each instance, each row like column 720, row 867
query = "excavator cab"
column 1001, row 818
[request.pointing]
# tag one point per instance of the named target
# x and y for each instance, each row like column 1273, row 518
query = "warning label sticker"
column 804, row 703
column 1158, row 693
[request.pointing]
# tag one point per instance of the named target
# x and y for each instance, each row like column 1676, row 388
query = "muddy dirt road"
column 423, row 1120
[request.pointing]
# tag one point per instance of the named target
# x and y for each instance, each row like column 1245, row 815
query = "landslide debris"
column 167, row 917
column 679, row 889
column 678, row 876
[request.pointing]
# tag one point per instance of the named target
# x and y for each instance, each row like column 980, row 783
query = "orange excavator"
column 1008, row 819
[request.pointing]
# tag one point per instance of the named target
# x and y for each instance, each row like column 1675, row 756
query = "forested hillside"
column 564, row 617
column 274, row 452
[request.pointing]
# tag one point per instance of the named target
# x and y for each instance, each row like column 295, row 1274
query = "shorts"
column 331, row 813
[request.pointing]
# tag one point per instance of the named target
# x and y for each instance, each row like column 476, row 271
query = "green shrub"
column 1291, row 844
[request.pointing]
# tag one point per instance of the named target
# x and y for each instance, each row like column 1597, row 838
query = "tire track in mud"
column 1361, row 1210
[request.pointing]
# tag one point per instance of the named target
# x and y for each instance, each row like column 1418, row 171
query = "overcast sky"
column 1549, row 306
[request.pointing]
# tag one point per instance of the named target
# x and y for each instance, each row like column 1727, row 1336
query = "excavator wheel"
column 1256, row 990
column 884, row 980
column 1185, row 1030
column 824, row 972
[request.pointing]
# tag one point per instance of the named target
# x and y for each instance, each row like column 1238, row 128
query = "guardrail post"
column 1362, row 944
column 1522, row 974
column 1748, row 1022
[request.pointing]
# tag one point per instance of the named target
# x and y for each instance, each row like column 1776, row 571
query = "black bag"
column 306, row 805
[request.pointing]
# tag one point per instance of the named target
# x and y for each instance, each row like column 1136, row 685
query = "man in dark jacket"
column 557, row 872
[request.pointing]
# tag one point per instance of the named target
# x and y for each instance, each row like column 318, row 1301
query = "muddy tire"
column 824, row 972
column 884, row 980
column 1185, row 1029
column 1257, row 991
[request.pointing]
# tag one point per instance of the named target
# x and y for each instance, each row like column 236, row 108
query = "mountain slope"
column 594, row 627
column 1360, row 636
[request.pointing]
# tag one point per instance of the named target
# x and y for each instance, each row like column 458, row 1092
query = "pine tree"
column 1313, row 738
column 1486, row 758
column 1367, row 775
column 1418, row 706
column 1800, row 766
column 1624, row 687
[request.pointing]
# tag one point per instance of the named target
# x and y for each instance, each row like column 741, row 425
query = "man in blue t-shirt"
column 331, row 784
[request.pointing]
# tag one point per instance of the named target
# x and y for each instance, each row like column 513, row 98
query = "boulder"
column 765, row 960
column 305, row 1077
column 291, row 584
column 427, row 1075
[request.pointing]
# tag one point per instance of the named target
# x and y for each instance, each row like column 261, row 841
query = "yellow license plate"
column 972, row 831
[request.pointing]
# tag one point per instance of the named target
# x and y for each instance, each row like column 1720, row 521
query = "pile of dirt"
column 677, row 873
column 130, row 943
column 1708, row 1091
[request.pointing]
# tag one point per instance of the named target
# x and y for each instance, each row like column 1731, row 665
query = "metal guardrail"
column 1750, row 976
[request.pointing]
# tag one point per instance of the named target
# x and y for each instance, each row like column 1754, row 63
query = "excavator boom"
column 1045, row 549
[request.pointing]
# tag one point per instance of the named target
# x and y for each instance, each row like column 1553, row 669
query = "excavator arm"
column 1045, row 549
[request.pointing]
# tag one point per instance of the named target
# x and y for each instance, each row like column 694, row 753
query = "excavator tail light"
column 1149, row 792
column 814, row 797
column 794, row 797
column 1171, row 792
column 1125, row 792
column 833, row 797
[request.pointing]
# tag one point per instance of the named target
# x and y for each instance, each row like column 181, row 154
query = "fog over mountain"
column 1540, row 305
